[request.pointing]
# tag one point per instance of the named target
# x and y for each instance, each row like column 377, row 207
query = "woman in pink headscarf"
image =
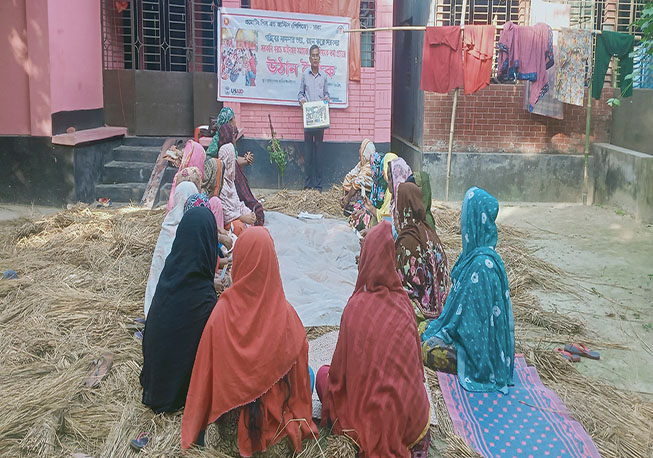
column 194, row 156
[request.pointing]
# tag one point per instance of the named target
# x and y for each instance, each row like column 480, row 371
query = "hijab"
column 166, row 237
column 184, row 299
column 421, row 260
column 375, row 391
column 196, row 200
column 213, row 176
column 477, row 317
column 194, row 156
column 252, row 340
column 226, row 114
column 398, row 171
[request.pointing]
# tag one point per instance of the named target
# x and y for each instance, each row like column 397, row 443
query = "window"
column 367, row 18
column 163, row 35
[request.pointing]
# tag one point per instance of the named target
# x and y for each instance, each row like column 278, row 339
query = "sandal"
column 99, row 370
column 568, row 356
column 581, row 350
column 140, row 442
column 139, row 334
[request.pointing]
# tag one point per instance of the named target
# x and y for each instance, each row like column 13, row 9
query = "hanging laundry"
column 575, row 52
column 610, row 44
column 508, row 53
column 478, row 44
column 535, row 57
column 548, row 105
column 442, row 59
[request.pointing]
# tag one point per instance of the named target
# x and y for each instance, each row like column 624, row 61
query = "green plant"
column 278, row 155
column 645, row 25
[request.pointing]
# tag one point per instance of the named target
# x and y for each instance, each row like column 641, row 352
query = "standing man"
column 312, row 89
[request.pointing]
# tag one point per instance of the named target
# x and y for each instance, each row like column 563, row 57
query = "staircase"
column 128, row 169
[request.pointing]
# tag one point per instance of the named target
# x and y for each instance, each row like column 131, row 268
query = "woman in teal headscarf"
column 226, row 115
column 477, row 318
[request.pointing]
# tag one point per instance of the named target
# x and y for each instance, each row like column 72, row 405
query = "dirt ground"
column 609, row 259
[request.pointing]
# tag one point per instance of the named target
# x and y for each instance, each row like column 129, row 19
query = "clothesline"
column 423, row 28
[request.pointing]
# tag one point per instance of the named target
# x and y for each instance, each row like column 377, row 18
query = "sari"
column 398, row 173
column 477, row 318
column 384, row 208
column 191, row 174
column 213, row 176
column 194, row 156
column 360, row 177
column 421, row 261
column 375, row 386
column 253, row 356
column 232, row 206
column 166, row 238
column 184, row 299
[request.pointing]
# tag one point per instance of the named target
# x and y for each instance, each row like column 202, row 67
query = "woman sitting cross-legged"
column 421, row 261
column 374, row 389
column 251, row 370
column 184, row 299
column 477, row 324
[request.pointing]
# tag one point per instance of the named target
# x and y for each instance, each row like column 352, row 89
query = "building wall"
column 369, row 111
column 631, row 122
column 52, row 63
column 494, row 120
column 75, row 55
column 13, row 78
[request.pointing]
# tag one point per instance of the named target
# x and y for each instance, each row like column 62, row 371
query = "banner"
column 264, row 53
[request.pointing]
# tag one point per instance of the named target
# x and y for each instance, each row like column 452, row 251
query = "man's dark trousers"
column 313, row 158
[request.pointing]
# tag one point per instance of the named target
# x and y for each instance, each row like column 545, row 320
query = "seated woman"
column 374, row 389
column 236, row 214
column 166, row 238
column 194, row 156
column 477, row 318
column 242, row 185
column 213, row 204
column 358, row 181
column 251, row 369
column 421, row 261
column 183, row 301
column 398, row 172
column 213, row 177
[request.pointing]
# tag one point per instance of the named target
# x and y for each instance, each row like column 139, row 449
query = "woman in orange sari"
column 374, row 389
column 251, row 368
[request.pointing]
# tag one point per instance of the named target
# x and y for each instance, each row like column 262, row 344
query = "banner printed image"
column 280, row 43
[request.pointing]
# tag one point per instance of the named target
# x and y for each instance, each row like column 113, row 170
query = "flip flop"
column 139, row 320
column 99, row 370
column 568, row 356
column 139, row 335
column 581, row 350
column 140, row 442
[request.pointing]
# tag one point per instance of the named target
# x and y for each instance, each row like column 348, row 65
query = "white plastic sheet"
column 318, row 266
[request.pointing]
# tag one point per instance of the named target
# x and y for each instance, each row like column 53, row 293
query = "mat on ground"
column 530, row 421
column 318, row 266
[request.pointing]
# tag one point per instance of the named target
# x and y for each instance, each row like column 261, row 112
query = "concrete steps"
column 127, row 169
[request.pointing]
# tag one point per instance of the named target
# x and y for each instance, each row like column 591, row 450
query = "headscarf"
column 232, row 206
column 227, row 134
column 423, row 180
column 384, row 209
column 361, row 175
column 398, row 171
column 252, row 340
column 225, row 115
column 213, row 176
column 191, row 174
column 184, row 299
column 194, row 156
column 421, row 260
column 196, row 200
column 379, row 184
column 477, row 317
column 375, row 390
column 166, row 237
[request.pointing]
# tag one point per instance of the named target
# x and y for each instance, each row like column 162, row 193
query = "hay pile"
column 82, row 276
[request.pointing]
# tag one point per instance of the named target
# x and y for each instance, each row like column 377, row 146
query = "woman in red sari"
column 374, row 389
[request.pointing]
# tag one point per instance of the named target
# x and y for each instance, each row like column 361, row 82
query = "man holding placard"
column 313, row 88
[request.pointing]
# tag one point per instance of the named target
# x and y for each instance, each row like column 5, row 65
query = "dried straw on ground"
column 82, row 276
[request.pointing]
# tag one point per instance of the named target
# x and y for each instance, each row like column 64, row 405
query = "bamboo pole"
column 588, row 125
column 453, row 112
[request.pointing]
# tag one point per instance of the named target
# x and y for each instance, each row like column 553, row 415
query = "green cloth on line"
column 610, row 44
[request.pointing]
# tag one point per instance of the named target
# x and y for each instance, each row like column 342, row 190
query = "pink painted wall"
column 75, row 54
column 368, row 114
column 14, row 82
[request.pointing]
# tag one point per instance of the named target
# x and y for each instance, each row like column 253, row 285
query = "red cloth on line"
column 478, row 44
column 375, row 387
column 252, row 339
column 442, row 59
